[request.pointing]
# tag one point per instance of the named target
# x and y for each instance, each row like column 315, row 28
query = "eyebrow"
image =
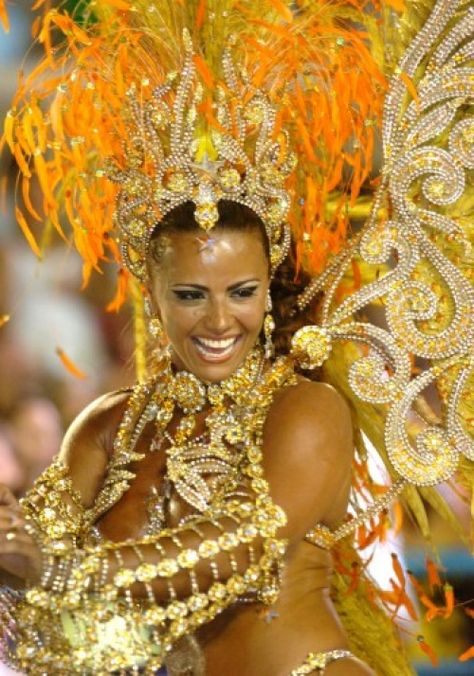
column 205, row 288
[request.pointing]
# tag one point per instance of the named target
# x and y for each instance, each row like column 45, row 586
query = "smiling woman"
column 200, row 519
column 210, row 290
column 186, row 521
column 220, row 285
column 197, row 533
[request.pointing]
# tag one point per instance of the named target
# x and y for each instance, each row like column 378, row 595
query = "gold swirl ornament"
column 311, row 346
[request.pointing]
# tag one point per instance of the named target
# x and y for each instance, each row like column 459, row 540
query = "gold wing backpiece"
column 413, row 315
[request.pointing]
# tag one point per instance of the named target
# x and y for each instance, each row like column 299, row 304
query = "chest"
column 174, row 458
column 170, row 482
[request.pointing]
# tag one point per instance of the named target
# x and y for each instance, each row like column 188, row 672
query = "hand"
column 19, row 553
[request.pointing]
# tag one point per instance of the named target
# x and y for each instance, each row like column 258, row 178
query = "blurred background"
column 44, row 314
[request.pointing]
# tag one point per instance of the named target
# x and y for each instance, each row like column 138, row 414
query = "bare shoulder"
column 97, row 422
column 307, row 455
column 313, row 410
column 88, row 443
column 310, row 397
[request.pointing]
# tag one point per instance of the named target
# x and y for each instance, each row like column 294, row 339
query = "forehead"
column 216, row 256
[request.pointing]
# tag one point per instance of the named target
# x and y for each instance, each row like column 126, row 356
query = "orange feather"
column 467, row 655
column 118, row 4
column 25, row 228
column 204, row 71
column 282, row 9
column 409, row 84
column 398, row 5
column 398, row 516
column 25, row 190
column 4, row 17
column 428, row 650
column 8, row 129
column 44, row 178
column 121, row 292
column 200, row 14
column 21, row 161
column 449, row 596
column 434, row 579
column 69, row 364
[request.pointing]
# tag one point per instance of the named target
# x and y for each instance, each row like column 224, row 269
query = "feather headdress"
column 311, row 59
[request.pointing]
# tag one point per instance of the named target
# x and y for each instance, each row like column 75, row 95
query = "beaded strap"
column 318, row 662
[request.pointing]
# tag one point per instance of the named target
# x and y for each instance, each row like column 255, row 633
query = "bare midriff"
column 248, row 638
column 258, row 641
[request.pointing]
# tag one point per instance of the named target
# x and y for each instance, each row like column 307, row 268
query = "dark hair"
column 287, row 282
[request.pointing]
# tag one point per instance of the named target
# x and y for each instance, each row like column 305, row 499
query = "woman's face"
column 210, row 291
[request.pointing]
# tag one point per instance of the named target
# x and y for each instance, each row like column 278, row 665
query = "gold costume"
column 273, row 107
column 93, row 607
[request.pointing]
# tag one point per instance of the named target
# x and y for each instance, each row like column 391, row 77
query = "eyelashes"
column 244, row 292
column 190, row 295
column 187, row 295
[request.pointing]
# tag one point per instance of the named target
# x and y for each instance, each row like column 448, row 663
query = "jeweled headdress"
column 198, row 101
column 171, row 158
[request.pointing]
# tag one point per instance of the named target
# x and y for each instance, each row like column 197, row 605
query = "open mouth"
column 215, row 350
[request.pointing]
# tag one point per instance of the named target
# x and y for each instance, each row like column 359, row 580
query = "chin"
column 214, row 373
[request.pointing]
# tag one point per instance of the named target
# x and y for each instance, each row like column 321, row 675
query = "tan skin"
column 214, row 290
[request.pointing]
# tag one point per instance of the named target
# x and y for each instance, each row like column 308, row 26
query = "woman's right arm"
column 53, row 509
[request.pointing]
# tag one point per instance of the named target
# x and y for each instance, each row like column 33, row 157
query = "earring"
column 268, row 328
column 154, row 325
column 155, row 328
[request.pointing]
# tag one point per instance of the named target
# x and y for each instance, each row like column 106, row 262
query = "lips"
column 211, row 349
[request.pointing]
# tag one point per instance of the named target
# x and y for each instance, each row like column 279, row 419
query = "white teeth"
column 215, row 350
column 217, row 344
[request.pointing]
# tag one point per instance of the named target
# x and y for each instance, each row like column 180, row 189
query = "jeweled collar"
column 192, row 394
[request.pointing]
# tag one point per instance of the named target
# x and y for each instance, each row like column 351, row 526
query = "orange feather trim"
column 69, row 364
column 434, row 579
column 25, row 228
column 4, row 17
column 428, row 650
column 200, row 14
column 467, row 655
column 204, row 71
column 121, row 292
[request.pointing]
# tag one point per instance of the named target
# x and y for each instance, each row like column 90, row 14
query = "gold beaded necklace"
column 200, row 467
column 203, row 469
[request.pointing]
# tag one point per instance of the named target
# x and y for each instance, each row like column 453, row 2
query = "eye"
column 244, row 292
column 188, row 294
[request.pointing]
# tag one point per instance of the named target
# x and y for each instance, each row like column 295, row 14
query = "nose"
column 218, row 318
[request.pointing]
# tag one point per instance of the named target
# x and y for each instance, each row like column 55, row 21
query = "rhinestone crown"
column 173, row 158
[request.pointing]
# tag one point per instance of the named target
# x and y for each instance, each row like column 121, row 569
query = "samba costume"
column 151, row 112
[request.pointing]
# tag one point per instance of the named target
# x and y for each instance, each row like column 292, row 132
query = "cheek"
column 178, row 320
column 252, row 317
